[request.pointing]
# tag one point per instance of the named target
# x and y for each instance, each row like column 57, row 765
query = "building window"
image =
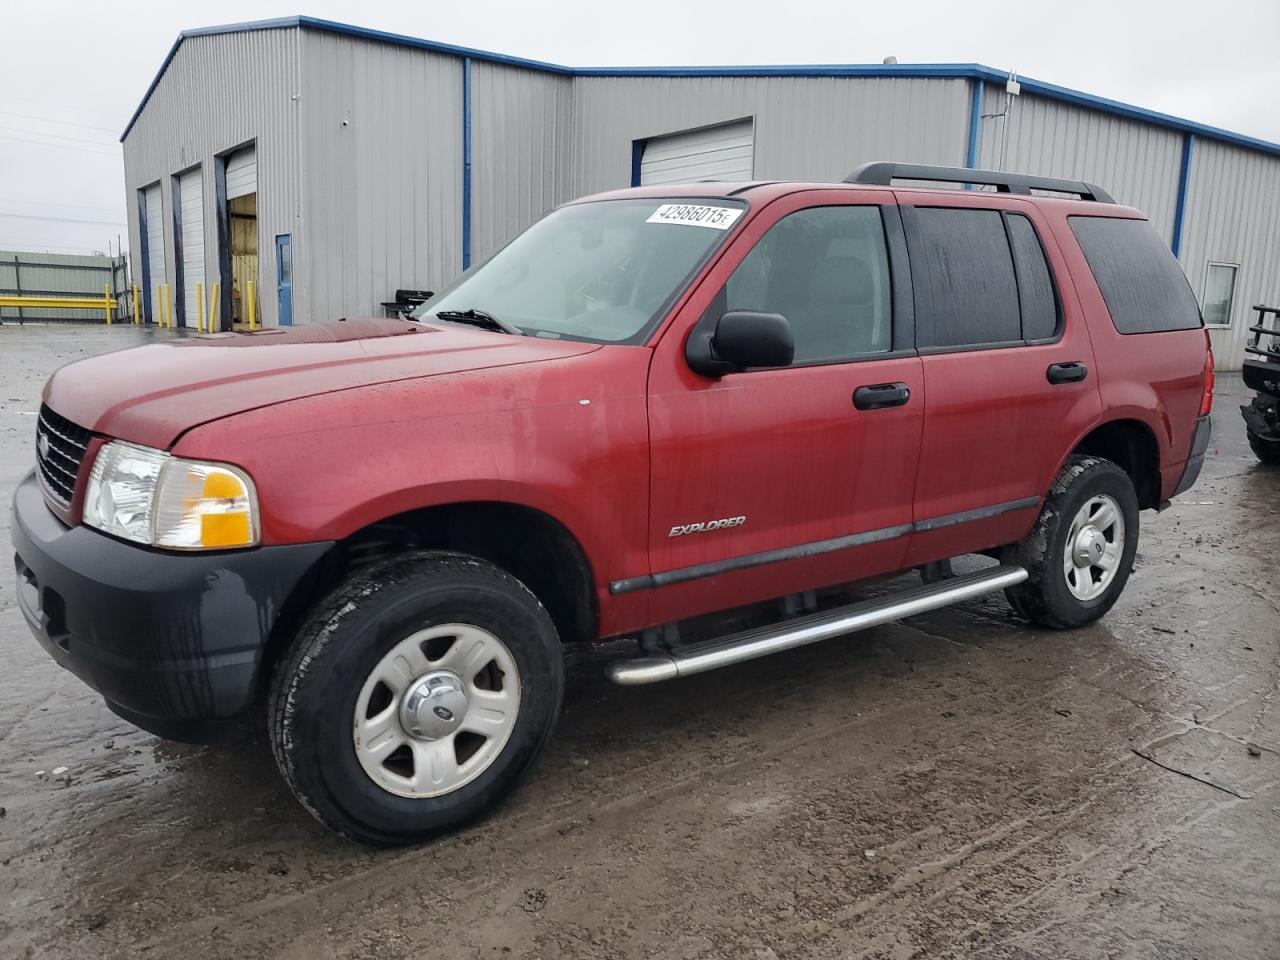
column 1219, row 294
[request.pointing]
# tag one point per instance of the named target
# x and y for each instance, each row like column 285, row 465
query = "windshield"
column 601, row 271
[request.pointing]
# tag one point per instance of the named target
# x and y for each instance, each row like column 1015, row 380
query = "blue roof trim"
column 955, row 71
column 436, row 47
column 249, row 27
column 1104, row 105
column 331, row 26
column 944, row 70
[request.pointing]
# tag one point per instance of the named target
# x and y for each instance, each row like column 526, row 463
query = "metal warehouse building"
column 332, row 165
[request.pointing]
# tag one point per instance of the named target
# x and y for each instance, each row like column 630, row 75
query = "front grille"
column 60, row 447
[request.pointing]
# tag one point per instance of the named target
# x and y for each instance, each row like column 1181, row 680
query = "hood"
column 155, row 393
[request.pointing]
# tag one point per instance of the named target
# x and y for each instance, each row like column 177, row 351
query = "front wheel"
column 1080, row 552
column 415, row 697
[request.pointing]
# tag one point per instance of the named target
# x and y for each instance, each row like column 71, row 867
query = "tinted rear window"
column 967, row 275
column 1141, row 282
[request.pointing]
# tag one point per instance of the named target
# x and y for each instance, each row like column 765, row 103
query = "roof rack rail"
column 883, row 173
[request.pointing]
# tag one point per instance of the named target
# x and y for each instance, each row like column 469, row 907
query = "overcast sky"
column 72, row 73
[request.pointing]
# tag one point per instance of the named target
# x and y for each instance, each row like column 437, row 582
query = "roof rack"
column 882, row 173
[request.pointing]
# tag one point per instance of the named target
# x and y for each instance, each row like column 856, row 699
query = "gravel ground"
column 954, row 785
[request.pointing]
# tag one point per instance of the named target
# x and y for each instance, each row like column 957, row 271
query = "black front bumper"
column 1262, row 376
column 173, row 641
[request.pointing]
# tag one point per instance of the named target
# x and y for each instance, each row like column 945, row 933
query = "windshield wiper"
column 479, row 318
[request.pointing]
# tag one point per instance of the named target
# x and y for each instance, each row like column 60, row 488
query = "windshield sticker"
column 696, row 215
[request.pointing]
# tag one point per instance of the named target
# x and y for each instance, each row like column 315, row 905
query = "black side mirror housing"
column 740, row 340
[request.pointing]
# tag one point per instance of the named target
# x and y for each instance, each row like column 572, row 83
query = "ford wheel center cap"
column 434, row 705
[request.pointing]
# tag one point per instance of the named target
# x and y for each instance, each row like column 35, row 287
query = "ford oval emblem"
column 42, row 446
column 444, row 713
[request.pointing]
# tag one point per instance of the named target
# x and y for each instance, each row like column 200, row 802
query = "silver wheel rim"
column 436, row 710
column 1094, row 547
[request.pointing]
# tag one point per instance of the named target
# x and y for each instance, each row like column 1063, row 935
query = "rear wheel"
column 415, row 698
column 1268, row 451
column 1080, row 552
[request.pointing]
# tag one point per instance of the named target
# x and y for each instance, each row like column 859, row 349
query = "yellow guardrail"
column 162, row 305
column 105, row 303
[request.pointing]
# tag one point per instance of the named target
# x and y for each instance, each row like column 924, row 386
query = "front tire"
column 1079, row 554
column 415, row 697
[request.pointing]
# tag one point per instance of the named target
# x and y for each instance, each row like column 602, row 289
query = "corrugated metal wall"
column 1137, row 163
column 1233, row 216
column 521, row 125
column 60, row 274
column 806, row 128
column 381, row 175
column 360, row 155
column 220, row 92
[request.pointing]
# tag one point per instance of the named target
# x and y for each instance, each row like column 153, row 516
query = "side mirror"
column 741, row 339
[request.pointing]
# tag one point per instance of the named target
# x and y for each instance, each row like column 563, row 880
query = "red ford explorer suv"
column 650, row 406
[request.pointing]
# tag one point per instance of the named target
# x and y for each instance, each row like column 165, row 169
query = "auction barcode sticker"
column 696, row 215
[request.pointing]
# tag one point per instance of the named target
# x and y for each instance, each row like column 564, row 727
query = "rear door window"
column 962, row 270
column 1144, row 288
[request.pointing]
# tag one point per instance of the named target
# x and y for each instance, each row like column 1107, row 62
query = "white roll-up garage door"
column 155, row 246
column 242, row 173
column 711, row 153
column 191, row 191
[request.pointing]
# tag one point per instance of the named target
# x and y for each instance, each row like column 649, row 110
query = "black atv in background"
column 1262, row 373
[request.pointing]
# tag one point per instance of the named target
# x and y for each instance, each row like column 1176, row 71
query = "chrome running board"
column 762, row 641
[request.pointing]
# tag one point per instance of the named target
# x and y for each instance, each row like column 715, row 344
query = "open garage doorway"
column 238, row 239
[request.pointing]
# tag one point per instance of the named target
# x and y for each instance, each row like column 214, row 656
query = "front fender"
column 572, row 444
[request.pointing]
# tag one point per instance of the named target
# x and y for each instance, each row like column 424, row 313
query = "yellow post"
column 214, row 323
column 251, row 306
column 200, row 314
column 106, row 295
column 137, row 307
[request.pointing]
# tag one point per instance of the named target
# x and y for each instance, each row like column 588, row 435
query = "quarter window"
column 826, row 270
column 963, row 274
column 1219, row 294
column 1035, row 287
column 1144, row 288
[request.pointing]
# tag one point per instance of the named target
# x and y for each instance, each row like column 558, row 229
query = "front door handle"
column 879, row 395
column 1071, row 372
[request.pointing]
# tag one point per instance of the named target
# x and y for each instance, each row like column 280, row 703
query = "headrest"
column 844, row 280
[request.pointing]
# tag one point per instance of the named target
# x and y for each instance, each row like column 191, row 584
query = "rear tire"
column 1268, row 451
column 1080, row 552
column 415, row 697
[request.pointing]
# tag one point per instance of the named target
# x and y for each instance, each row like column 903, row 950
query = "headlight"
column 151, row 497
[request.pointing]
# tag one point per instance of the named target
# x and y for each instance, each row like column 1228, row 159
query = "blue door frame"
column 284, row 278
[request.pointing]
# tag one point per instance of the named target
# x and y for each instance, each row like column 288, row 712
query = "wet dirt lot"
column 954, row 785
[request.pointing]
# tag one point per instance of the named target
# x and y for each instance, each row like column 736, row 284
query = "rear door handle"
column 1071, row 372
column 879, row 395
